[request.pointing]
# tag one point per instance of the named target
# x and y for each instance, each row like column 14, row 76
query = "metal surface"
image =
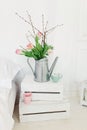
column 42, row 73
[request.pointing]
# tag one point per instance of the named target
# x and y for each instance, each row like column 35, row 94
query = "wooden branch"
column 31, row 22
column 48, row 31
column 31, row 34
column 27, row 38
column 46, row 25
column 43, row 23
column 27, row 21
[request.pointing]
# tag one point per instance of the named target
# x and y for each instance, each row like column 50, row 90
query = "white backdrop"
column 64, row 39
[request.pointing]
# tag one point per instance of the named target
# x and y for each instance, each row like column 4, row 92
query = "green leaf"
column 45, row 49
column 28, row 53
column 38, row 45
column 36, row 51
column 36, row 39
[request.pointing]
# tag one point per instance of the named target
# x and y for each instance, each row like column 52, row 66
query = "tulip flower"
column 30, row 46
column 19, row 51
column 39, row 34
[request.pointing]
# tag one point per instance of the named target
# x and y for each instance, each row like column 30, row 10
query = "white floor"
column 77, row 120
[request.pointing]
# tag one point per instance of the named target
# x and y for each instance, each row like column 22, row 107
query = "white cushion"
column 8, row 68
column 5, row 83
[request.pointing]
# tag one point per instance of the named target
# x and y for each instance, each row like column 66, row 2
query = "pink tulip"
column 39, row 34
column 18, row 51
column 30, row 46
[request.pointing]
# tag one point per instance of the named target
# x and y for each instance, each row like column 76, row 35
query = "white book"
column 45, row 96
column 43, row 91
column 43, row 110
column 50, row 96
column 29, row 84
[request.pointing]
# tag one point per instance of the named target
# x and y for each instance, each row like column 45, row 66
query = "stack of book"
column 47, row 102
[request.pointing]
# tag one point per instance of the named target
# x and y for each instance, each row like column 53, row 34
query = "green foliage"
column 39, row 51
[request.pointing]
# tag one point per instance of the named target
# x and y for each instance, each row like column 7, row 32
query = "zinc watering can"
column 42, row 73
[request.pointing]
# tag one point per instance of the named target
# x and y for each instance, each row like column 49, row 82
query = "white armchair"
column 8, row 68
column 10, row 71
column 8, row 92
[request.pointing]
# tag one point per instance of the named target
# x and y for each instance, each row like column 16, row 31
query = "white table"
column 47, row 101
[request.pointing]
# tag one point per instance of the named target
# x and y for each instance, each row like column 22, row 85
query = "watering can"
column 42, row 73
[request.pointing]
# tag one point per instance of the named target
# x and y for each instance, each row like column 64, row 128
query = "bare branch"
column 43, row 23
column 31, row 22
column 48, row 31
column 23, row 48
column 46, row 25
column 44, row 32
column 43, row 29
column 31, row 34
column 44, row 39
column 28, row 38
column 27, row 21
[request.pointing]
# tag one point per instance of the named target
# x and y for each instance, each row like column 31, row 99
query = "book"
column 46, row 95
column 45, row 91
column 44, row 110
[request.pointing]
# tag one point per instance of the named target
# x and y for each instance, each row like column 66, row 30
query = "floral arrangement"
column 40, row 48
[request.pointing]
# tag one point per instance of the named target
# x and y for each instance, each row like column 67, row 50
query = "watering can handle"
column 30, row 65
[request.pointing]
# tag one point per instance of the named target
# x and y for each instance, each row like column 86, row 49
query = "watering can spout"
column 52, row 66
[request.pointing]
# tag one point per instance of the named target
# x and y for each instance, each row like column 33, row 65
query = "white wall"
column 64, row 39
